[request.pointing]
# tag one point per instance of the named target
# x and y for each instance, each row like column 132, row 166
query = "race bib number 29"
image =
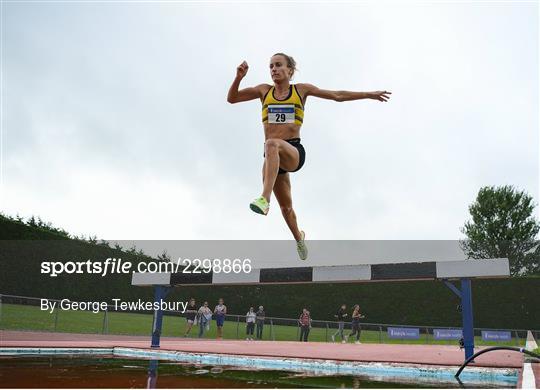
column 283, row 113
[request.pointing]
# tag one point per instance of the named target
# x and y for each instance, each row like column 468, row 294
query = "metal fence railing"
column 27, row 313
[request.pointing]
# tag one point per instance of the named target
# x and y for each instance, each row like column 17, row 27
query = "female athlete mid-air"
column 282, row 116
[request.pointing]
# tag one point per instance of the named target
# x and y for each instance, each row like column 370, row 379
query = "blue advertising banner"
column 447, row 334
column 494, row 335
column 404, row 333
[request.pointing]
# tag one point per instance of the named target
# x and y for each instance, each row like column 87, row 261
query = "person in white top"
column 204, row 315
column 220, row 311
column 251, row 316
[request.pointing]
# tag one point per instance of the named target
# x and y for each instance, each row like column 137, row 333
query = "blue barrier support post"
column 467, row 315
column 160, row 293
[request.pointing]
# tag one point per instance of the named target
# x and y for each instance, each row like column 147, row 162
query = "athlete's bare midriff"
column 281, row 131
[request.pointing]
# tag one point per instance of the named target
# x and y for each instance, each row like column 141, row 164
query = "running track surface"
column 444, row 355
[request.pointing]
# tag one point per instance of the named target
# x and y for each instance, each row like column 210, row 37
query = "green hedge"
column 498, row 303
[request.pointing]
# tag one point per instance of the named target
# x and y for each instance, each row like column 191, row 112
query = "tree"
column 503, row 225
column 164, row 257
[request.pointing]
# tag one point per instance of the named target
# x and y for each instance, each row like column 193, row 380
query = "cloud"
column 121, row 108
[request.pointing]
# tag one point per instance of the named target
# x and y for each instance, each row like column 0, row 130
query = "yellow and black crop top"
column 290, row 110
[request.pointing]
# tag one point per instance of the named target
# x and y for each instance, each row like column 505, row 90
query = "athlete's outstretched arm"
column 243, row 95
column 342, row 96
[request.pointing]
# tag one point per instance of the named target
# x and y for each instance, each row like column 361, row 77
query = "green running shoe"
column 301, row 247
column 260, row 206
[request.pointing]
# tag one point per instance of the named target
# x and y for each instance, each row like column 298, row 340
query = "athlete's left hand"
column 381, row 96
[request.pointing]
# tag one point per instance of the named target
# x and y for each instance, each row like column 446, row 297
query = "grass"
column 24, row 317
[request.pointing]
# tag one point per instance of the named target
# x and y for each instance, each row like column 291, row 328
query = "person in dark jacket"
column 260, row 322
column 340, row 317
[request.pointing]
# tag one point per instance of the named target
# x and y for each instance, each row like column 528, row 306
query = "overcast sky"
column 115, row 121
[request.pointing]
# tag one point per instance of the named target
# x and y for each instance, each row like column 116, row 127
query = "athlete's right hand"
column 242, row 70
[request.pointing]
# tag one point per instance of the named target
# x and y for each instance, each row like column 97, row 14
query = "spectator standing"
column 204, row 315
column 340, row 316
column 191, row 314
column 305, row 324
column 220, row 311
column 251, row 317
column 260, row 322
column 355, row 323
